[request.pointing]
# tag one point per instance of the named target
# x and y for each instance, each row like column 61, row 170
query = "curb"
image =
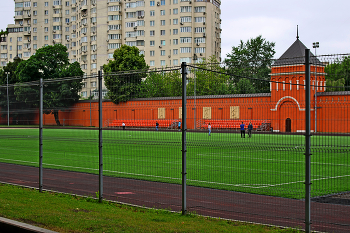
column 8, row 225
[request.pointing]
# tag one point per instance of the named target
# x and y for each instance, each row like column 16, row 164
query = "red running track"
column 326, row 217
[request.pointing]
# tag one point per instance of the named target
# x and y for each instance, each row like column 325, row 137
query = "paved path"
column 210, row 202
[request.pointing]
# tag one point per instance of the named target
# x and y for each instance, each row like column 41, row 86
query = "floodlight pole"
column 8, row 101
column 100, row 196
column 307, row 144
column 184, row 128
column 316, row 45
column 41, row 106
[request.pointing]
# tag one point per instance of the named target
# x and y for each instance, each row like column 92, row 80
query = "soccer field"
column 270, row 164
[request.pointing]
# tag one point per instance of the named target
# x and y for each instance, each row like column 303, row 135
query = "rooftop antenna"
column 297, row 33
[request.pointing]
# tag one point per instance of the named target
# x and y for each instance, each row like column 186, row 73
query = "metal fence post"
column 41, row 99
column 100, row 197
column 307, row 143
column 184, row 128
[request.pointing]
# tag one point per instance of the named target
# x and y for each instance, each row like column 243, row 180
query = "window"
column 35, row 12
column 115, row 17
column 175, row 21
column 114, row 46
column 151, row 3
column 35, row 21
column 198, row 40
column 115, row 36
column 175, row 41
column 162, row 22
column 162, row 12
column 162, row 42
column 35, row 4
column 185, row 59
column 46, row 37
column 162, row 62
column 175, row 2
column 46, row 3
column 151, row 33
column 199, row 19
column 199, row 50
column 162, row 32
column 162, row 2
column 67, row 3
column 175, row 31
column 175, row 11
column 175, row 51
column 151, row 63
column 186, row 9
column 151, row 53
column 186, row 19
column 46, row 21
column 185, row 50
column 199, row 30
column 151, row 23
column 185, row 40
column 151, row 43
column 199, row 9
column 67, row 12
column 186, row 29
column 152, row 13
column 35, row 38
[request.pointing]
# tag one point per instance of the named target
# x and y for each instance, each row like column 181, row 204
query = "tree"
column 338, row 75
column 252, row 60
column 244, row 86
column 209, row 79
column 17, row 108
column 160, row 83
column 122, row 87
column 50, row 62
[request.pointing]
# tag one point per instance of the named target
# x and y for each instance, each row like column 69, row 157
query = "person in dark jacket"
column 242, row 130
column 250, row 128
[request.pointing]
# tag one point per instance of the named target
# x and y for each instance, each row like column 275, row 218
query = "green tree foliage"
column 161, row 84
column 50, row 62
column 17, row 108
column 124, row 87
column 252, row 59
column 208, row 79
column 244, row 86
column 338, row 75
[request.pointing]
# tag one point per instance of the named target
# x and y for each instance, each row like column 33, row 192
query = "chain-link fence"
column 204, row 138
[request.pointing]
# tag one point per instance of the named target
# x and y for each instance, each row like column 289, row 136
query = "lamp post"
column 195, row 58
column 8, row 102
column 315, row 45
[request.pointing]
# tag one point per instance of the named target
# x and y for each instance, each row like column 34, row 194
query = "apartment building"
column 167, row 32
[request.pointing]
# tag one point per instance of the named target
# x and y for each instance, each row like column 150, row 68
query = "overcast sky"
column 327, row 22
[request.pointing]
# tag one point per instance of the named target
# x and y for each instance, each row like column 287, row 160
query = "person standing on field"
column 209, row 128
column 179, row 125
column 157, row 125
column 123, row 126
column 242, row 130
column 250, row 128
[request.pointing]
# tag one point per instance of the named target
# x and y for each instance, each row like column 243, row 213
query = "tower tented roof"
column 295, row 54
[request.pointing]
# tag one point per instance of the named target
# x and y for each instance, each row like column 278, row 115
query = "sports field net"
column 245, row 139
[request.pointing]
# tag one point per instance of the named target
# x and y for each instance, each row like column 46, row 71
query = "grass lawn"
column 270, row 164
column 67, row 213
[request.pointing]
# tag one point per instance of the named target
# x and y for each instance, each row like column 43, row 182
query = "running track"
column 209, row 202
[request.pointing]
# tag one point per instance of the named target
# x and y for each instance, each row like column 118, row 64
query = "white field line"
column 255, row 186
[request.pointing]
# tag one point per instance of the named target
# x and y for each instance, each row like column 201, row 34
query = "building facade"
column 167, row 32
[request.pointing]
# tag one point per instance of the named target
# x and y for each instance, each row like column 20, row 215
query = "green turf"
column 271, row 164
